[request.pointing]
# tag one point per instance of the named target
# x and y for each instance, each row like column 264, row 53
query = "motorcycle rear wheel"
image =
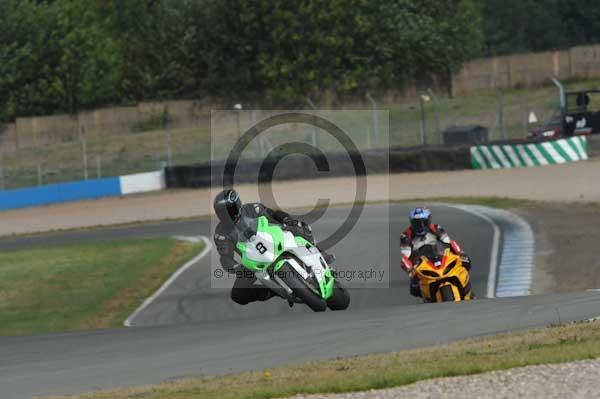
column 301, row 288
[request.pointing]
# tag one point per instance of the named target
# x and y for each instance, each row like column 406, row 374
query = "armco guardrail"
column 81, row 190
column 292, row 167
column 512, row 155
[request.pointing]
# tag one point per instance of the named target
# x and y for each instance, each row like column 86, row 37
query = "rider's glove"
column 466, row 262
column 406, row 264
column 293, row 226
column 406, row 251
column 292, row 223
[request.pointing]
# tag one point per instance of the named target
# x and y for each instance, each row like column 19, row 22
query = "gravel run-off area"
column 555, row 381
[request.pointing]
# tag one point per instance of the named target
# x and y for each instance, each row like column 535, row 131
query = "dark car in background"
column 579, row 114
column 549, row 129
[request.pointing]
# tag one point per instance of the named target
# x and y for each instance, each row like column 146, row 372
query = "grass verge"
column 119, row 154
column 83, row 286
column 492, row 202
column 548, row 345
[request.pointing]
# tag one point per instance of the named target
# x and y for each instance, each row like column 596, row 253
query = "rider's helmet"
column 420, row 218
column 228, row 206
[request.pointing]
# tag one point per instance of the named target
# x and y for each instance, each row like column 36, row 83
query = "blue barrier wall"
column 62, row 192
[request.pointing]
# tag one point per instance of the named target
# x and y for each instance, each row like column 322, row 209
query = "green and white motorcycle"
column 290, row 266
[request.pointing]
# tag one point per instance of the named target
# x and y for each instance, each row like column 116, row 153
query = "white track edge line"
column 494, row 256
column 166, row 284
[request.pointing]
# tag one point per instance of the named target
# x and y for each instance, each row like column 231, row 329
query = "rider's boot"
column 263, row 294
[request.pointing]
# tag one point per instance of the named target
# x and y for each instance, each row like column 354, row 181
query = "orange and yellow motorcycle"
column 442, row 279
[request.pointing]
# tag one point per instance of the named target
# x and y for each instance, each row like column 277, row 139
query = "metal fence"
column 416, row 122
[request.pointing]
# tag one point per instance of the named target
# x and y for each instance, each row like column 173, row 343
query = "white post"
column 315, row 140
column 169, row 150
column 1, row 171
column 98, row 166
column 422, row 125
column 39, row 171
column 259, row 144
column 436, row 102
column 375, row 119
column 83, row 151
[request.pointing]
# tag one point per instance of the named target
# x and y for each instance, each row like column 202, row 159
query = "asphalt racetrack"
column 192, row 330
column 370, row 250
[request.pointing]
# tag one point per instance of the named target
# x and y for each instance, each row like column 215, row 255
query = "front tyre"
column 340, row 300
column 301, row 288
column 447, row 293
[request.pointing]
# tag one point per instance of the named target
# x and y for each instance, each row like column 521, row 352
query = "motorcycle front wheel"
column 340, row 299
column 447, row 293
column 301, row 288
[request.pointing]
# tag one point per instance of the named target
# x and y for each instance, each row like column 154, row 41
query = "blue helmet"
column 420, row 218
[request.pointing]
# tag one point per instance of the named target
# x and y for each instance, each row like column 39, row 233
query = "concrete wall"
column 46, row 130
column 56, row 193
column 8, row 137
column 82, row 190
column 526, row 70
column 142, row 182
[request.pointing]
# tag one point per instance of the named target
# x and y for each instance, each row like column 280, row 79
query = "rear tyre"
column 447, row 293
column 301, row 288
column 340, row 300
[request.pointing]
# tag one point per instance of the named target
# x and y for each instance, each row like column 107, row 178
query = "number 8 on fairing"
column 260, row 247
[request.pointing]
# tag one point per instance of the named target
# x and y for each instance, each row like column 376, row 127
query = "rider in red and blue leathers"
column 420, row 232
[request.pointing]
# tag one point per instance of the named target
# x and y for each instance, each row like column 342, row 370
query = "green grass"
column 492, row 202
column 83, row 286
column 117, row 155
column 137, row 152
column 549, row 345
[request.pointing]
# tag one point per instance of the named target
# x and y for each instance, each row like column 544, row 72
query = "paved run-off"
column 559, row 183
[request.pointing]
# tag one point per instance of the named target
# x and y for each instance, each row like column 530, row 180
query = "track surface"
column 41, row 365
column 209, row 323
column 219, row 338
column 373, row 244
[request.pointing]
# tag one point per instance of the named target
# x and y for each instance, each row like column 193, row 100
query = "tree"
column 422, row 40
column 56, row 57
column 295, row 49
column 154, row 37
column 23, row 76
column 88, row 58
column 518, row 26
column 581, row 20
column 67, row 55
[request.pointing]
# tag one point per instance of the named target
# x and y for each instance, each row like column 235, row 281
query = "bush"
column 155, row 121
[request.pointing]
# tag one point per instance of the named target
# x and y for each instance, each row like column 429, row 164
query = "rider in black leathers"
column 229, row 209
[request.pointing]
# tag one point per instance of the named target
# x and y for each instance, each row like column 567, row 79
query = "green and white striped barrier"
column 572, row 149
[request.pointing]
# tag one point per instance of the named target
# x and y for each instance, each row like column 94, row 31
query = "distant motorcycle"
column 442, row 277
column 290, row 266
